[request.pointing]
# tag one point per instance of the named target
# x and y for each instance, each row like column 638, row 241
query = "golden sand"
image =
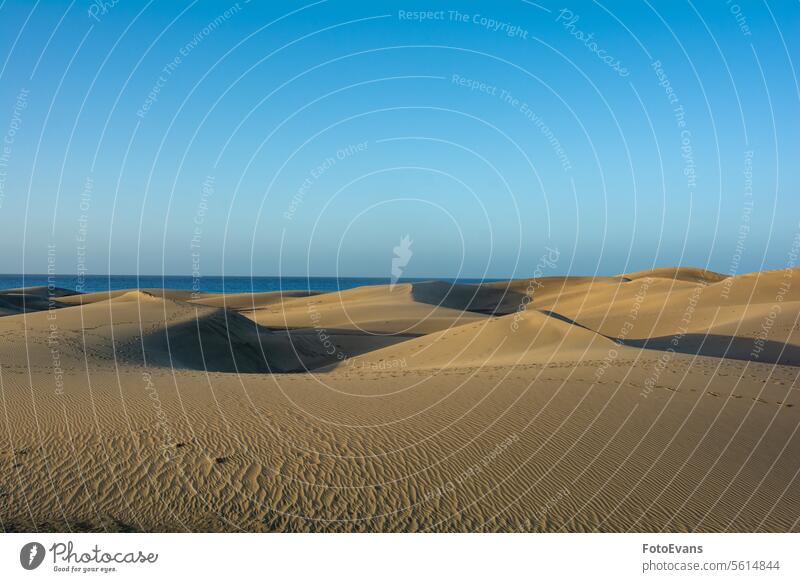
column 659, row 400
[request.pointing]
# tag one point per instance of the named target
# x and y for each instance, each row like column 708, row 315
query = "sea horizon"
column 213, row 283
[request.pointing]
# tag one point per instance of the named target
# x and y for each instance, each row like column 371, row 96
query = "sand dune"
column 490, row 300
column 249, row 301
column 687, row 274
column 529, row 338
column 660, row 400
column 221, row 341
column 377, row 310
column 13, row 301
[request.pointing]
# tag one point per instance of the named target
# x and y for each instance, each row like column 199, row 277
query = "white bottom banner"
column 354, row 557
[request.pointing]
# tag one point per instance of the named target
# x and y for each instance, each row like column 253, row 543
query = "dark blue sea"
column 226, row 284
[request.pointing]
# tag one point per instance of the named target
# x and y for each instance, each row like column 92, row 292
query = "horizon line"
column 75, row 275
column 388, row 277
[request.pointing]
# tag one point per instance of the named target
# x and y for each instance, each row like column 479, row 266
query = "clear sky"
column 308, row 138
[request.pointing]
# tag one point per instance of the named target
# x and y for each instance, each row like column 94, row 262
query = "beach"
column 662, row 400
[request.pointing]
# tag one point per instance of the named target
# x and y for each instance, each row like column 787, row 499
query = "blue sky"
column 307, row 138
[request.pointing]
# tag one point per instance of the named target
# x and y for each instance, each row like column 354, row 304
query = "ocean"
column 220, row 284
